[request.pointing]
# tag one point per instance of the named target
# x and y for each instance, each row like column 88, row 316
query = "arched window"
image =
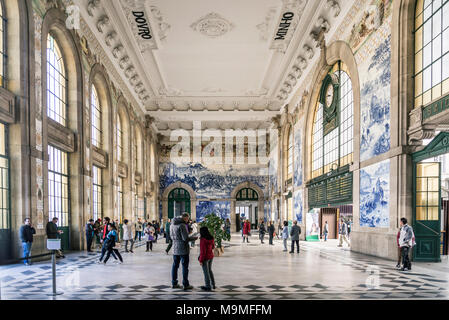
column 3, row 42
column 56, row 83
column 96, row 119
column 247, row 194
column 431, row 50
column 290, row 154
column 119, row 139
column 97, row 192
column 333, row 128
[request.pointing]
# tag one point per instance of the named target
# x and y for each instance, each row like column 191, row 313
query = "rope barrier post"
column 54, row 245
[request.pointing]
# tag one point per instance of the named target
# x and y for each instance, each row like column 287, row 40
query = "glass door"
column 427, row 216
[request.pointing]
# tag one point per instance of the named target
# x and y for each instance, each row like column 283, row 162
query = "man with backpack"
column 406, row 242
column 294, row 234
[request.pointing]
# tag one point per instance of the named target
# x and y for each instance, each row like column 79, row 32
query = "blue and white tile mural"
column 207, row 183
column 297, row 205
column 273, row 170
column 297, row 160
column 375, row 195
column 219, row 208
column 375, row 79
column 267, row 210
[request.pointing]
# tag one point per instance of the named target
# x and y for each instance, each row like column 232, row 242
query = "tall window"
column 290, row 154
column 96, row 119
column 56, row 83
column 4, row 179
column 333, row 148
column 119, row 139
column 98, row 192
column 135, row 154
column 58, row 186
column 120, row 199
column 3, row 55
column 431, row 50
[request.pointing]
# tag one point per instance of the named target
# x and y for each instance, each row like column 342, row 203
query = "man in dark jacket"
column 90, row 234
column 53, row 233
column 26, row 236
column 294, row 233
column 271, row 232
column 262, row 231
column 179, row 234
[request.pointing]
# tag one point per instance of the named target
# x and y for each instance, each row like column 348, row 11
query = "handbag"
column 150, row 238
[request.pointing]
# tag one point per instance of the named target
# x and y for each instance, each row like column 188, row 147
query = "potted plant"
column 214, row 223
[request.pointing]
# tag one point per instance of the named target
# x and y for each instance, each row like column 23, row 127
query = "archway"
column 178, row 198
column 249, row 198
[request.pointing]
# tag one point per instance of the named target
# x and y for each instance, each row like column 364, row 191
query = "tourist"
column 228, row 227
column 111, row 241
column 325, row 230
column 138, row 227
column 117, row 225
column 246, row 230
column 157, row 230
column 271, row 232
column 26, row 237
column 180, row 235
column 207, row 246
column 343, row 232
column 167, row 231
column 242, row 225
column 169, row 239
column 262, row 231
column 128, row 235
column 149, row 236
column 90, row 232
column 406, row 242
column 285, row 235
column 194, row 232
column 53, row 233
column 105, row 230
column 294, row 234
column 97, row 228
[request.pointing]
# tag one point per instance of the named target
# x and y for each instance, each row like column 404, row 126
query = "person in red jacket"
column 206, row 256
column 246, row 230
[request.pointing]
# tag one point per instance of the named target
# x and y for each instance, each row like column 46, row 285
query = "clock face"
column 329, row 95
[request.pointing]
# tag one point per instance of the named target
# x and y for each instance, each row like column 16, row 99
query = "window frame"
column 60, row 215
column 4, row 49
column 97, row 189
column 96, row 114
column 5, row 217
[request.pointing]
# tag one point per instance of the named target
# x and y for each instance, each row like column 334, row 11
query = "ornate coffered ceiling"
column 237, row 63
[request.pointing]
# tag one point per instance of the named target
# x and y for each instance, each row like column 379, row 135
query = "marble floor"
column 245, row 272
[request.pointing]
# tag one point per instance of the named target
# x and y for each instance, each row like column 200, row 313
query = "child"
column 110, row 242
column 206, row 256
column 149, row 234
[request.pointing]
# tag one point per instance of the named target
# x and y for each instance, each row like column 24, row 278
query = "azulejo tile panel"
column 297, row 205
column 375, row 195
column 219, row 208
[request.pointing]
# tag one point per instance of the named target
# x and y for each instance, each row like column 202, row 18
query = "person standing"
column 294, row 234
column 271, row 232
column 246, row 230
column 180, row 235
column 343, row 232
column 325, row 230
column 207, row 245
column 285, row 235
column 53, row 233
column 149, row 236
column 26, row 237
column 128, row 235
column 228, row 227
column 406, row 242
column 262, row 231
column 194, row 232
column 97, row 230
column 139, row 228
column 90, row 232
column 167, row 234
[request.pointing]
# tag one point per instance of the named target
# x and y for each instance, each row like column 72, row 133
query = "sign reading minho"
column 287, row 17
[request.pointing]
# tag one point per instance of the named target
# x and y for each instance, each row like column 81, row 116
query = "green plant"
column 214, row 224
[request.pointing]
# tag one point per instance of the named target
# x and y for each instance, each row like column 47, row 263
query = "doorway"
column 178, row 202
column 329, row 215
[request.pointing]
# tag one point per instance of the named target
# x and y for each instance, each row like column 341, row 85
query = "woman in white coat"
column 128, row 235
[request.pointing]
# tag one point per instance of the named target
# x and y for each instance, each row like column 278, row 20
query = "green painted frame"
column 438, row 146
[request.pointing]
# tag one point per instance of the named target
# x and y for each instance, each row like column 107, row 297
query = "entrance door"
column 329, row 215
column 426, row 224
column 178, row 202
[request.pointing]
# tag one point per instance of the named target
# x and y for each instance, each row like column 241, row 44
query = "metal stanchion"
column 54, row 245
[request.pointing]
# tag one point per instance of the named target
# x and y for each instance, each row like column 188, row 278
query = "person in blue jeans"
column 180, row 236
column 26, row 237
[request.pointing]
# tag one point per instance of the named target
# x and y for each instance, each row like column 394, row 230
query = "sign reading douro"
column 142, row 25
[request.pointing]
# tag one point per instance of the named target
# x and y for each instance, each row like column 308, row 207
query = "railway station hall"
column 224, row 150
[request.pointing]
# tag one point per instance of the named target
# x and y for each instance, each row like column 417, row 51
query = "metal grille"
column 56, row 83
column 58, row 186
column 97, row 192
column 4, row 180
column 3, row 56
column 96, row 119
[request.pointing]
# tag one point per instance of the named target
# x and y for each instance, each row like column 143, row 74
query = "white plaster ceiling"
column 216, row 58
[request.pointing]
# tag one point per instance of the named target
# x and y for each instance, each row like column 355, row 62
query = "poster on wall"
column 312, row 225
